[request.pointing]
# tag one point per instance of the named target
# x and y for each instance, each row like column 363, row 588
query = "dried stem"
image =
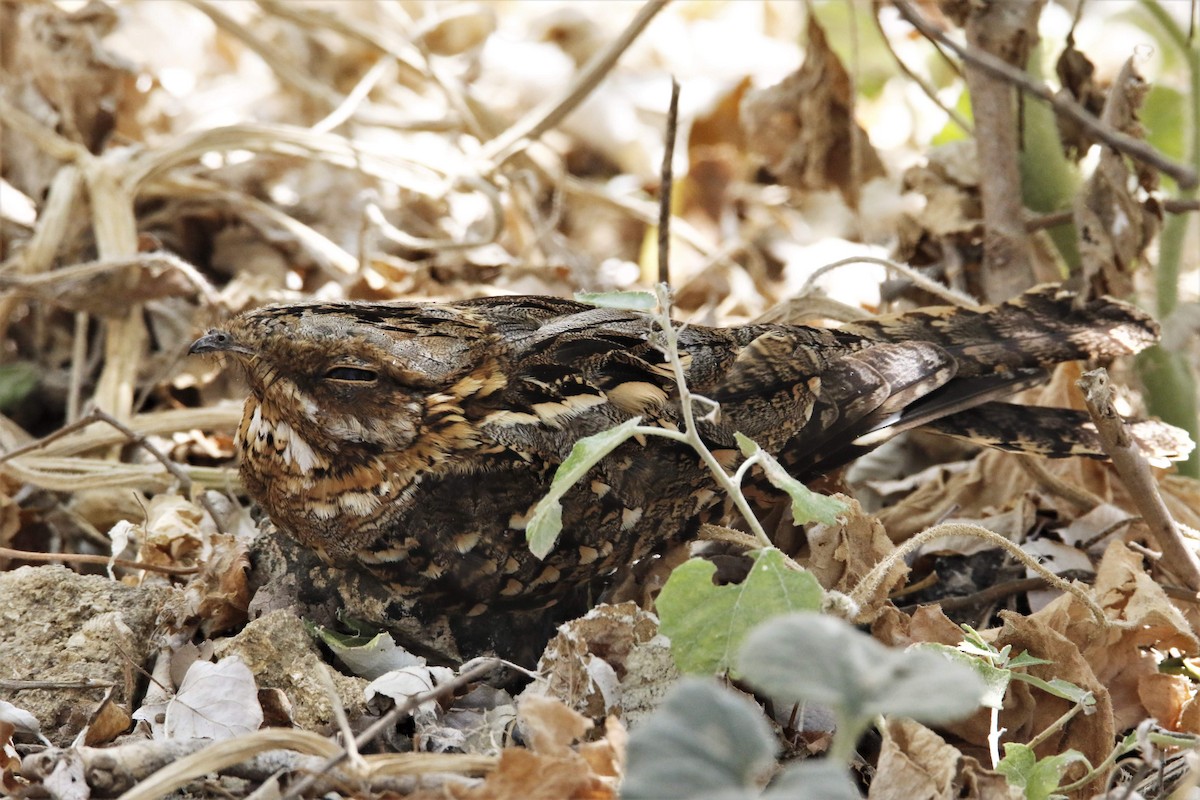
column 1131, row 465
column 665, row 188
column 391, row 718
column 104, row 561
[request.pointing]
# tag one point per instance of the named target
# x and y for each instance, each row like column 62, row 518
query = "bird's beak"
column 217, row 341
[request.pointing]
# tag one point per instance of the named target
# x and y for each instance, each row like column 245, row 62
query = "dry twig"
column 1139, row 480
column 1135, row 148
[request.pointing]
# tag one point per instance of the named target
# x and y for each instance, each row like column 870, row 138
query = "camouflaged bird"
column 414, row 439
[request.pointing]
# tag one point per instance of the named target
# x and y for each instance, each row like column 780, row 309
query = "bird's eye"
column 351, row 374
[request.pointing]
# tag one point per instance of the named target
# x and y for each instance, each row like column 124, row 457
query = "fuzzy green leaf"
column 706, row 623
column 806, row 657
column 703, row 743
column 1038, row 779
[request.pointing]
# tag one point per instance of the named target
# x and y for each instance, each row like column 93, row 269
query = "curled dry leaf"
column 1115, row 228
column 843, row 553
column 552, row 769
column 916, row 762
column 804, row 126
column 1143, row 617
column 587, row 660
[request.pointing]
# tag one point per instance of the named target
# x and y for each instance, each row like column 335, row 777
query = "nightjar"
column 413, row 439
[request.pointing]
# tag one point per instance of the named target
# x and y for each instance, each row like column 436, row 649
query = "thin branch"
column 1131, row 465
column 924, row 85
column 391, row 718
column 135, row 438
column 541, row 119
column 82, row 558
column 918, row 280
column 665, row 188
column 870, row 582
column 1135, row 148
column 992, row 594
column 1075, row 495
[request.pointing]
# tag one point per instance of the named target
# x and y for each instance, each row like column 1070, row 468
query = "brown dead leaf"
column 804, row 126
column 549, row 725
column 843, row 553
column 551, row 769
column 221, row 587
column 1077, row 76
column 108, row 722
column 586, row 660
column 977, row 782
column 917, row 764
column 1143, row 617
column 69, row 81
column 524, row 775
column 171, row 534
column 607, row 756
column 927, row 624
column 1114, row 227
column 1165, row 697
column 914, row 762
column 10, row 761
column 1189, row 716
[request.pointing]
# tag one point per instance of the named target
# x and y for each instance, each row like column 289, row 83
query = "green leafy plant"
column 708, row 742
column 805, row 657
column 17, row 380
column 707, row 623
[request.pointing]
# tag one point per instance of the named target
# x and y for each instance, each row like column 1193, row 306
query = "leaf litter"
column 165, row 164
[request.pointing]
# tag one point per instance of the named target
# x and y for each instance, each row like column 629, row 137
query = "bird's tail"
column 1037, row 329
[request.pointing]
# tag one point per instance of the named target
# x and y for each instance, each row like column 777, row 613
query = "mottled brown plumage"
column 413, row 439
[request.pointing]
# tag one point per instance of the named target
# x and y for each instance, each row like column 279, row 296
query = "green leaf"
column 546, row 521
column 1026, row 660
column 703, row 743
column 1038, row 779
column 17, row 380
column 996, row 679
column 1060, row 688
column 807, row 506
column 629, row 301
column 806, row 657
column 816, row 779
column 367, row 657
column 706, row 623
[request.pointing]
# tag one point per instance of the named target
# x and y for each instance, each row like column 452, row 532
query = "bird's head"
column 353, row 374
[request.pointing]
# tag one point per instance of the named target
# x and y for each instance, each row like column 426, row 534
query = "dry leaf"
column 549, row 725
column 1114, row 226
column 586, row 660
column 1144, row 617
column 914, row 762
column 215, row 701
column 843, row 553
column 804, row 126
